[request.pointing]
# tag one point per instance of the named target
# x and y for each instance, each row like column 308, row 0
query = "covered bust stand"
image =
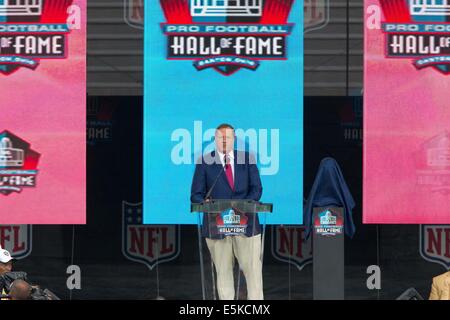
column 328, row 215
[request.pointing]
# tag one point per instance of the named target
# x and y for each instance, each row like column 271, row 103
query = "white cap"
column 5, row 256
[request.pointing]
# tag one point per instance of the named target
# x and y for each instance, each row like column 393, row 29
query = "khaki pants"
column 248, row 253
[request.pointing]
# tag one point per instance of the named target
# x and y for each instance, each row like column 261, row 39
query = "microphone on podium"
column 208, row 194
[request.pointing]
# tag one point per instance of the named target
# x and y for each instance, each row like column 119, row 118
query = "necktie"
column 229, row 172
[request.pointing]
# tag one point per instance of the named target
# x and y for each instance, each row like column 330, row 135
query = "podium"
column 328, row 253
column 328, row 212
column 220, row 205
column 221, row 218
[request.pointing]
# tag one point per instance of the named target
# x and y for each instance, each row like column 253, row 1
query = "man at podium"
column 227, row 173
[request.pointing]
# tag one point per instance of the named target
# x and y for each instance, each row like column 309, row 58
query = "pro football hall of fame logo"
column 329, row 223
column 418, row 30
column 18, row 164
column 31, row 30
column 226, row 35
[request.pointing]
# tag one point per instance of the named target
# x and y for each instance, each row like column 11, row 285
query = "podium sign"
column 328, row 253
column 230, row 217
column 329, row 223
column 230, row 223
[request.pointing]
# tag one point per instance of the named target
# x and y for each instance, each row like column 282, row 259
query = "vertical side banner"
column 42, row 112
column 406, row 112
column 214, row 62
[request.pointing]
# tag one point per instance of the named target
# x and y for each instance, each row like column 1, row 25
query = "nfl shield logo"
column 17, row 239
column 134, row 13
column 147, row 244
column 316, row 14
column 435, row 244
column 288, row 245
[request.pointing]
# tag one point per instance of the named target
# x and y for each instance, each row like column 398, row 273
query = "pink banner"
column 43, row 112
column 407, row 112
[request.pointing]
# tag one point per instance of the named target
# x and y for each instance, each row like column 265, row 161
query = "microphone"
column 208, row 194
